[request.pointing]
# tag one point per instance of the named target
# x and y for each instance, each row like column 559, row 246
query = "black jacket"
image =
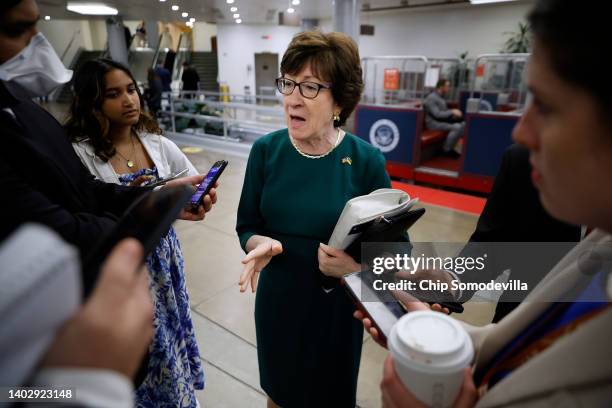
column 514, row 213
column 190, row 79
column 42, row 179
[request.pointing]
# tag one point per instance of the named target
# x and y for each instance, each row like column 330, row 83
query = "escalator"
column 65, row 95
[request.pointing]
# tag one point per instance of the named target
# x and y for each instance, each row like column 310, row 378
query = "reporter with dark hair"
column 119, row 143
column 553, row 349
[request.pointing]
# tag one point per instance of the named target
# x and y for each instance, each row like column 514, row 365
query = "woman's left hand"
column 335, row 262
column 207, row 203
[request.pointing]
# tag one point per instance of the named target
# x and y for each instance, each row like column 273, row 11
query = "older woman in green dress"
column 296, row 184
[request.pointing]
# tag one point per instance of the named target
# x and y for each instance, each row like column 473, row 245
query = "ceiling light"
column 236, row 15
column 94, row 9
column 185, row 14
column 296, row 2
column 189, row 24
column 47, row 18
column 192, row 20
column 290, row 10
column 175, row 7
column 234, row 9
column 162, row 1
column 238, row 21
column 488, row 1
column 230, row 1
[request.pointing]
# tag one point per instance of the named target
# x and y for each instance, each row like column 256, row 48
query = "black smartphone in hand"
column 209, row 181
column 148, row 219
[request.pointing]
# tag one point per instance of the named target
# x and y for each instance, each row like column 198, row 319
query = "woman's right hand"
column 264, row 249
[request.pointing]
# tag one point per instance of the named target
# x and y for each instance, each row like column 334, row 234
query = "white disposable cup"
column 430, row 350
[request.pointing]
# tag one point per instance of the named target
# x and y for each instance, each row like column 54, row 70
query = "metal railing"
column 411, row 81
column 233, row 126
column 511, row 81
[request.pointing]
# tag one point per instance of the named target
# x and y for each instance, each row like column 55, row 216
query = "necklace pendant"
column 130, row 164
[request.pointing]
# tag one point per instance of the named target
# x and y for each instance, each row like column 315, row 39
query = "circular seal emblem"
column 384, row 134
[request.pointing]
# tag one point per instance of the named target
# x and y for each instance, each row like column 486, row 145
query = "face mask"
column 37, row 68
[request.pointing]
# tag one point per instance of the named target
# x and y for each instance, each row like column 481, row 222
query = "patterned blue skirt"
column 175, row 370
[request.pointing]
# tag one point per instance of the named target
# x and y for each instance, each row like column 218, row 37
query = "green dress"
column 308, row 343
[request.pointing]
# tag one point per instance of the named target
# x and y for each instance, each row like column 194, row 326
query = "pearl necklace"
column 315, row 156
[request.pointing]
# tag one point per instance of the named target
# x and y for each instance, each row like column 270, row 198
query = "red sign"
column 392, row 79
column 480, row 70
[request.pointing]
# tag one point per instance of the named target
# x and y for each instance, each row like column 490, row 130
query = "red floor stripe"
column 454, row 201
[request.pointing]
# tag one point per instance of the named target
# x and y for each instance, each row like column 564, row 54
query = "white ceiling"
column 251, row 11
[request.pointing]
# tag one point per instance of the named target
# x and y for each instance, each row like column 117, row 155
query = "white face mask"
column 37, row 68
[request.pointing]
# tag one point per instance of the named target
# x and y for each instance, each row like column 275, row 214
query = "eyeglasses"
column 308, row 90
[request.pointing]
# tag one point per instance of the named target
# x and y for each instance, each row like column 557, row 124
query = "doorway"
column 266, row 72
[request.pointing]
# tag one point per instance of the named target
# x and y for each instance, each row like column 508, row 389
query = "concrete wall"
column 202, row 33
column 60, row 33
column 237, row 45
column 442, row 32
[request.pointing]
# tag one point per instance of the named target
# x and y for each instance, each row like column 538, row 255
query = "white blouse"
column 166, row 157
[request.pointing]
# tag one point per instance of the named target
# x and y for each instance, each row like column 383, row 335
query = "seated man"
column 439, row 117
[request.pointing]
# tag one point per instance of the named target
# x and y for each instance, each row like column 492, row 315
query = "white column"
column 116, row 41
column 346, row 17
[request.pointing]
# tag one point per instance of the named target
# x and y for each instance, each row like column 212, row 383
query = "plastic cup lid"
column 431, row 340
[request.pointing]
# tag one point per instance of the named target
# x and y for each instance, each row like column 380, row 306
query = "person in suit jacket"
column 553, row 349
column 41, row 177
column 514, row 213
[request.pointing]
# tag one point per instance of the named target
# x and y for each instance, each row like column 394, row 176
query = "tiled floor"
column 224, row 317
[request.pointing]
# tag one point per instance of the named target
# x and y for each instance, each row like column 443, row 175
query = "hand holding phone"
column 209, row 181
column 172, row 176
column 383, row 308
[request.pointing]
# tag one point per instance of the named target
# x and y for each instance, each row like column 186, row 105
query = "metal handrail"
column 390, row 57
column 231, row 96
column 74, row 34
column 405, row 59
column 278, row 111
column 228, row 122
column 493, row 57
column 156, row 56
column 503, row 57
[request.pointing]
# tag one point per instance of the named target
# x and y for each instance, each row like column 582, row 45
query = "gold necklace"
column 128, row 162
column 315, row 156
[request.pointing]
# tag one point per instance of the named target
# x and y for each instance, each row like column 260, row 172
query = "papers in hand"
column 360, row 212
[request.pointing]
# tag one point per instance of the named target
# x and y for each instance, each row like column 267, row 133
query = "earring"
column 336, row 117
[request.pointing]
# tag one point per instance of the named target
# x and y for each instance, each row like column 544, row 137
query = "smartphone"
column 209, row 181
column 172, row 176
column 148, row 219
column 381, row 308
column 382, row 314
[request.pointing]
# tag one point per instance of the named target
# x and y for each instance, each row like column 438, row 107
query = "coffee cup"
column 430, row 350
